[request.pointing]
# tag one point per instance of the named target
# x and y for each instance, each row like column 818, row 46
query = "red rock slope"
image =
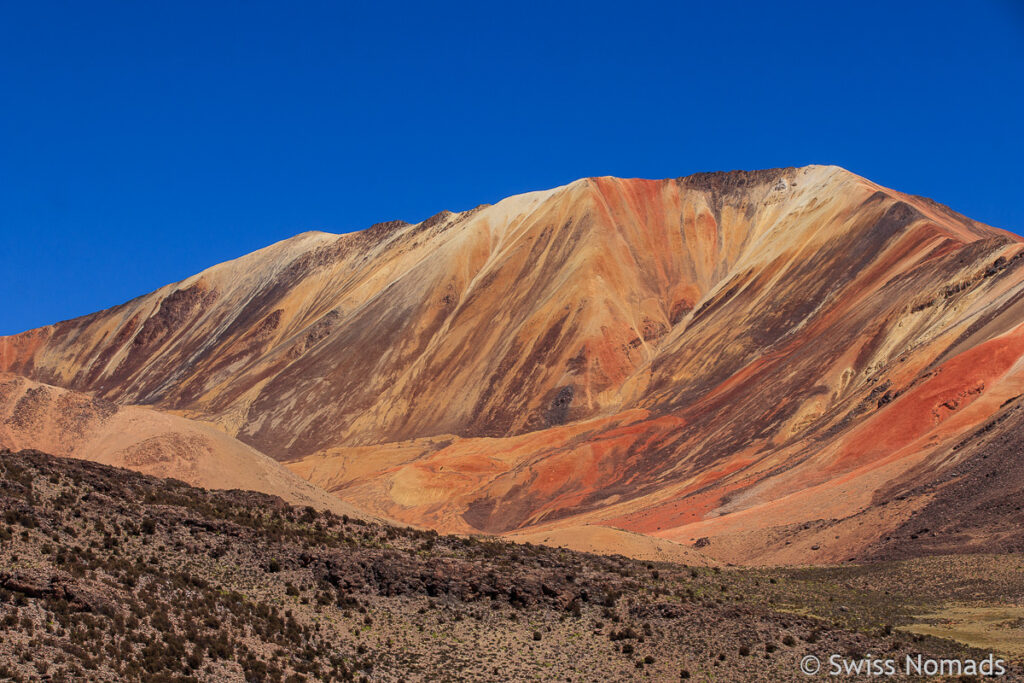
column 755, row 362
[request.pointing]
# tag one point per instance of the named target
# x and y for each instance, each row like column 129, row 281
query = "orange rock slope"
column 72, row 424
column 777, row 366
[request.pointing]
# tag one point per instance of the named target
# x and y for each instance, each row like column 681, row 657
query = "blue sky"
column 143, row 142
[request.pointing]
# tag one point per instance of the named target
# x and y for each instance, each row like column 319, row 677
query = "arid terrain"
column 106, row 574
column 622, row 429
column 72, row 424
column 770, row 367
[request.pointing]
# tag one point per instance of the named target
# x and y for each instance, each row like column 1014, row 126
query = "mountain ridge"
column 653, row 355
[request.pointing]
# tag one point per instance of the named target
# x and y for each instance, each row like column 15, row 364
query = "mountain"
column 778, row 366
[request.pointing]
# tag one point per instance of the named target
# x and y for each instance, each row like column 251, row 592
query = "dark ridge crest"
column 437, row 218
column 726, row 181
column 384, row 228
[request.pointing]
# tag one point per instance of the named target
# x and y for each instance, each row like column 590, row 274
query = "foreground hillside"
column 781, row 366
column 106, row 574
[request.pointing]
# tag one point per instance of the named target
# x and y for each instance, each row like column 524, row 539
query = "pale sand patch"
column 1000, row 629
column 603, row 540
column 72, row 424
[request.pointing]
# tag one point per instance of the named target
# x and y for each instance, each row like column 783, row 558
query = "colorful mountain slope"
column 757, row 362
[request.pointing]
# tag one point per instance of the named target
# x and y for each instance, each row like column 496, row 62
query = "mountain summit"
column 786, row 365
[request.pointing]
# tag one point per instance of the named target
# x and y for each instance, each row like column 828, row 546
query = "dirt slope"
column 72, row 424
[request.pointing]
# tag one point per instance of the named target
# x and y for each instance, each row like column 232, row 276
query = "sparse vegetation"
column 110, row 575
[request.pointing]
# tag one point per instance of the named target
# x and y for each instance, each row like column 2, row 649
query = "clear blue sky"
column 141, row 142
